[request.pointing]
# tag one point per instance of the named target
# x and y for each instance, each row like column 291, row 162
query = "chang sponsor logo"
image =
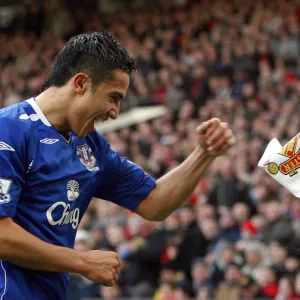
column 68, row 216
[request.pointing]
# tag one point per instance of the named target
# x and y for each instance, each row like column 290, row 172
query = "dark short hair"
column 95, row 53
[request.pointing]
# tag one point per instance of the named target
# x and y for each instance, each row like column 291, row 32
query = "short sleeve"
column 12, row 170
column 122, row 181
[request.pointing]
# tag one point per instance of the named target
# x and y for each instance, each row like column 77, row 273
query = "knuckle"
column 117, row 264
column 225, row 125
column 229, row 133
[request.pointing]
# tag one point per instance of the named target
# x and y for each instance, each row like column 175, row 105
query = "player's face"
column 100, row 104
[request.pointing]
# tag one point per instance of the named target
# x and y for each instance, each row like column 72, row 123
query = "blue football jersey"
column 46, row 185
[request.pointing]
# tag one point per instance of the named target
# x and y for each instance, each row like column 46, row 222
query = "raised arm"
column 173, row 189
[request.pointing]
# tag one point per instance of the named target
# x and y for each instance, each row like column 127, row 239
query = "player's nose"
column 115, row 110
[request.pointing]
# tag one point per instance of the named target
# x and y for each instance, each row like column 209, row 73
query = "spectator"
column 278, row 256
column 142, row 257
column 297, row 285
column 291, row 265
column 230, row 288
column 201, row 277
column 278, row 227
column 183, row 291
column 230, row 230
column 255, row 258
column 211, row 233
column 266, row 279
column 286, row 289
column 241, row 212
column 228, row 190
column 193, row 242
column 165, row 291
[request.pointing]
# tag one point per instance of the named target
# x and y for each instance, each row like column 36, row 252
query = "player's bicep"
column 11, row 180
column 124, row 183
column 12, row 170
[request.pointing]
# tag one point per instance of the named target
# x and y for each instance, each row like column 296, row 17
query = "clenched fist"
column 215, row 137
column 101, row 266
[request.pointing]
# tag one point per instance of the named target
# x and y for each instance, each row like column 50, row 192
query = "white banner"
column 282, row 163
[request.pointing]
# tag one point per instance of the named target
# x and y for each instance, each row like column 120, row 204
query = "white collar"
column 38, row 111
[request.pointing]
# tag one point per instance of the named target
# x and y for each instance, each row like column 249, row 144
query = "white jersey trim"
column 5, row 281
column 39, row 113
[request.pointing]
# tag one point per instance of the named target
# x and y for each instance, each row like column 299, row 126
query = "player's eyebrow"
column 117, row 95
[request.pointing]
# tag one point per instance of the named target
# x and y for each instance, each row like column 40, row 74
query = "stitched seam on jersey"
column 5, row 280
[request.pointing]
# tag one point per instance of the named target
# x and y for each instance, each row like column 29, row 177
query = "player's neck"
column 54, row 106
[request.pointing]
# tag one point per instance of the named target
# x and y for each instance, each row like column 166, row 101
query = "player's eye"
column 114, row 99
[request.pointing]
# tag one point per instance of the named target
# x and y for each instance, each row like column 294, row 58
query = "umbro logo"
column 4, row 146
column 49, row 141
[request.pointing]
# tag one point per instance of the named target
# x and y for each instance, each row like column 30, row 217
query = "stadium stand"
column 238, row 236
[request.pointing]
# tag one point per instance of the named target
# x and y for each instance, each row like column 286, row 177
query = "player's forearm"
column 25, row 250
column 174, row 188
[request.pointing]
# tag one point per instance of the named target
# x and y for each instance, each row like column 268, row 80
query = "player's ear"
column 81, row 83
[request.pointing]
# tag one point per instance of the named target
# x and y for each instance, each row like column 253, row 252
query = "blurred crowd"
column 238, row 235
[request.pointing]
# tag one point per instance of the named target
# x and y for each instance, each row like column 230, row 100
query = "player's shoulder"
column 14, row 133
column 12, row 118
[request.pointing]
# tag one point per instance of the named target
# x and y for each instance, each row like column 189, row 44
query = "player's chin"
column 86, row 130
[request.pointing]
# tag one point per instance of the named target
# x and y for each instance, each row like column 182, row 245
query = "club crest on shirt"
column 86, row 157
